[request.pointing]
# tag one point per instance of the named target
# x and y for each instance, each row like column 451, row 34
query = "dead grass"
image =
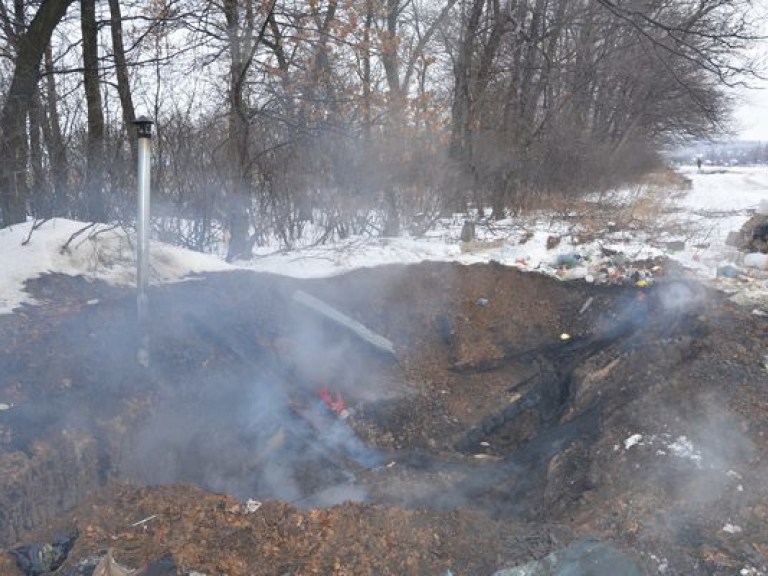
column 647, row 205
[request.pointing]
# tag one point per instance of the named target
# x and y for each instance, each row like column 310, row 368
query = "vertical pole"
column 144, row 131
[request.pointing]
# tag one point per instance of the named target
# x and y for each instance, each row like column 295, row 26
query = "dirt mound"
column 515, row 403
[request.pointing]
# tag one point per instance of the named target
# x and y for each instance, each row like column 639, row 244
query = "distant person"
column 698, row 163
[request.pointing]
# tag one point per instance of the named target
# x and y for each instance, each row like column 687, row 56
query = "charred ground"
column 490, row 440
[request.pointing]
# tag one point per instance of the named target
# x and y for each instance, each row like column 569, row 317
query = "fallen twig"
column 74, row 236
column 37, row 224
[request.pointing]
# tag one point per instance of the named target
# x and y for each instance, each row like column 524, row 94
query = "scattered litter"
column 164, row 566
column 252, row 506
column 675, row 246
column 391, row 464
column 758, row 312
column 486, row 457
column 4, row 406
column 682, row 447
column 37, row 559
column 586, row 305
column 732, row 528
column 580, row 557
column 568, row 260
column 482, row 302
column 109, row 567
column 485, row 444
column 728, row 271
column 734, row 474
column 144, row 521
column 632, row 441
column 92, row 301
column 750, row 571
column 756, row 260
column 565, row 336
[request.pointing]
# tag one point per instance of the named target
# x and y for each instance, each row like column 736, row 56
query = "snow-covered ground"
column 689, row 226
column 99, row 252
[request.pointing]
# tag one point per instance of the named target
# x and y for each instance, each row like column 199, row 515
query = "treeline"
column 354, row 115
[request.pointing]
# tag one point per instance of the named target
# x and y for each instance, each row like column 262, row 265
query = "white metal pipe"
column 144, row 128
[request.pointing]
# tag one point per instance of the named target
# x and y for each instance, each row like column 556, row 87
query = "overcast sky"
column 752, row 117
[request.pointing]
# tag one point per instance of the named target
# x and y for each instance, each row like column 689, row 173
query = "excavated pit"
column 509, row 394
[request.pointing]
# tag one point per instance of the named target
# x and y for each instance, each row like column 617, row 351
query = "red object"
column 336, row 404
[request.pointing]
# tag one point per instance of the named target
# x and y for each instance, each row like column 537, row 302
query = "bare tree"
column 31, row 46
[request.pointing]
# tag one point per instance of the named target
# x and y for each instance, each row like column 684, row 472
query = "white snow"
column 101, row 252
column 699, row 220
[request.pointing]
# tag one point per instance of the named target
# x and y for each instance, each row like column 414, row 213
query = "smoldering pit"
column 483, row 405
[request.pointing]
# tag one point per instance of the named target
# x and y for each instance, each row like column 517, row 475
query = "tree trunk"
column 460, row 147
column 54, row 140
column 367, row 78
column 121, row 70
column 31, row 45
column 94, row 185
column 40, row 194
column 239, row 189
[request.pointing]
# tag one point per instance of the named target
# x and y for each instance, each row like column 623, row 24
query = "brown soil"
column 490, row 440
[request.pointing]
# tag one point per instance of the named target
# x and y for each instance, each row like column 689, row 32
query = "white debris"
column 632, row 441
column 750, row 571
column 682, row 447
column 733, row 474
column 732, row 528
column 92, row 301
column 252, row 506
column 756, row 260
column 109, row 567
column 565, row 336
column 144, row 521
column 4, row 406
